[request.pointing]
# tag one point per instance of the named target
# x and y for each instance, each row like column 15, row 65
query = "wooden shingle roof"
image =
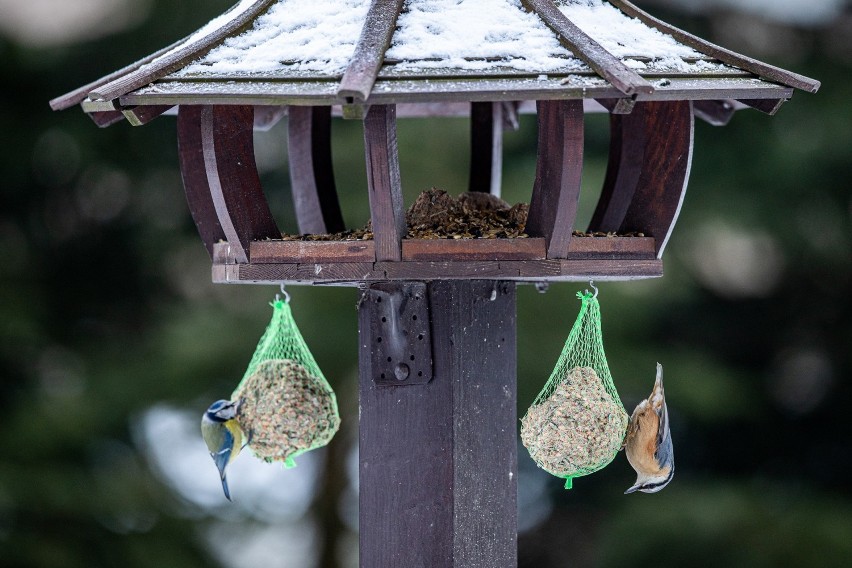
column 331, row 52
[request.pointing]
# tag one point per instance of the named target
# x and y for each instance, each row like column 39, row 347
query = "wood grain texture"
column 625, row 266
column 363, row 68
column 661, row 187
column 179, row 56
column 228, row 147
column 556, row 192
column 311, row 173
column 438, row 461
column 486, row 147
column 591, row 52
column 473, row 249
column 384, row 184
column 267, row 252
column 194, row 173
column 759, row 68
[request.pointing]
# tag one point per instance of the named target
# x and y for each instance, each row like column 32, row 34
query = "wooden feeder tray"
column 651, row 100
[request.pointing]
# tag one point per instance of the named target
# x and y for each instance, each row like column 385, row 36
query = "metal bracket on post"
column 401, row 334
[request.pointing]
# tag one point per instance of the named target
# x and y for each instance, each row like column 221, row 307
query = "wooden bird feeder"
column 438, row 416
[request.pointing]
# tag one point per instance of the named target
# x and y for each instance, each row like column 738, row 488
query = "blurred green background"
column 113, row 340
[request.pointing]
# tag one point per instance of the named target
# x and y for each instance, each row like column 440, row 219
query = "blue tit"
column 223, row 435
column 648, row 442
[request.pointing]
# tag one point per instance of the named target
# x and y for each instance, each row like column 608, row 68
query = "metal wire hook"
column 592, row 284
column 286, row 295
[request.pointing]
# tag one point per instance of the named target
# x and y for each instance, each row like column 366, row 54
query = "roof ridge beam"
column 724, row 55
column 172, row 61
column 376, row 35
column 591, row 52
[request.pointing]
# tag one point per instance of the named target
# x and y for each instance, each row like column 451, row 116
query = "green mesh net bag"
column 286, row 405
column 576, row 424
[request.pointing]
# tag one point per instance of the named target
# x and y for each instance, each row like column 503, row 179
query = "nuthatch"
column 223, row 436
column 648, row 442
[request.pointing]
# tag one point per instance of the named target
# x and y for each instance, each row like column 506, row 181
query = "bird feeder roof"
column 330, row 52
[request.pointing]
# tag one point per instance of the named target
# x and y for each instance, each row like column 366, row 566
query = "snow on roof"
column 299, row 35
column 319, row 37
column 620, row 34
column 474, row 35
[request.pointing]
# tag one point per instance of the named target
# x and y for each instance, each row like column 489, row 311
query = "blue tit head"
column 222, row 435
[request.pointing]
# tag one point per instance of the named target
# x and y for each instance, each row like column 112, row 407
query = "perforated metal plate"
column 400, row 333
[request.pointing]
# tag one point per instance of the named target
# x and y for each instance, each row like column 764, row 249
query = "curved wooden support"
column 311, row 173
column 650, row 159
column 486, row 147
column 627, row 140
column 241, row 207
column 383, row 180
column 556, row 193
column 194, row 174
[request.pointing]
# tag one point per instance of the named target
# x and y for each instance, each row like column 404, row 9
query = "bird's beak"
column 632, row 489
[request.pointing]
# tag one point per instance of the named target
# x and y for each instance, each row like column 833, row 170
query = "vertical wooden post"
column 384, row 185
column 486, row 147
column 438, row 461
column 556, row 193
column 311, row 173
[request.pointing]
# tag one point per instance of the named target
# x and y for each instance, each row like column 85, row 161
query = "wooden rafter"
column 311, row 173
column 759, row 68
column 171, row 61
column 360, row 75
column 583, row 46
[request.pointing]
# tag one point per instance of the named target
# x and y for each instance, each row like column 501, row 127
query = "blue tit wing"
column 223, row 455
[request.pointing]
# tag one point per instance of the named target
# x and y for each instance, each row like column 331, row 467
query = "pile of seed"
column 472, row 215
column 577, row 429
column 285, row 410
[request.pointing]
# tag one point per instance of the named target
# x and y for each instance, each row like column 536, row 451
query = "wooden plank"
column 383, row 181
column 194, row 173
column 241, row 206
column 473, row 249
column 450, row 90
column 717, row 113
column 486, row 147
column 591, row 52
column 611, row 247
column 659, row 193
column 363, row 68
column 80, row 94
column 180, row 56
column 139, row 115
column 438, row 461
column 556, row 192
column 766, row 106
column 627, row 140
column 106, row 118
column 272, row 251
column 311, row 173
column 759, row 68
